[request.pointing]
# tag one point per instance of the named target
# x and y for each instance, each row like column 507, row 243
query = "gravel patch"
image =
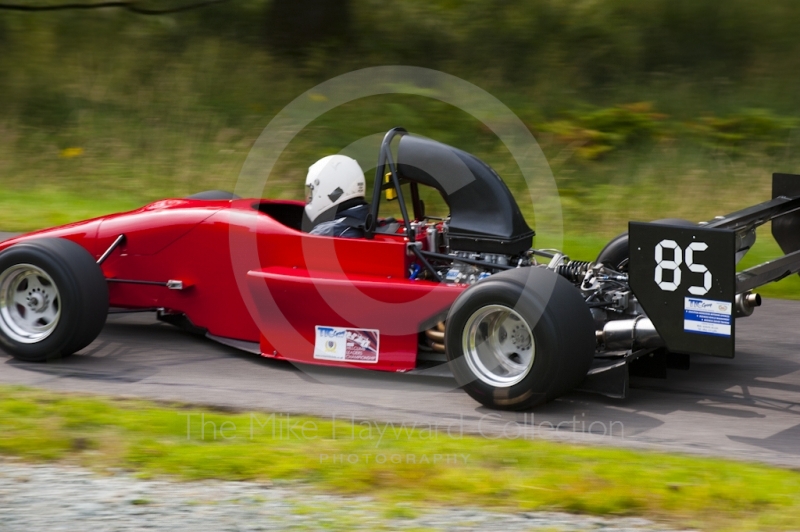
column 66, row 498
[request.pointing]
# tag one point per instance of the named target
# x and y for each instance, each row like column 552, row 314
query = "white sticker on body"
column 706, row 316
column 344, row 344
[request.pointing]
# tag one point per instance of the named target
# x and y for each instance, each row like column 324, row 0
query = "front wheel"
column 214, row 195
column 520, row 338
column 53, row 299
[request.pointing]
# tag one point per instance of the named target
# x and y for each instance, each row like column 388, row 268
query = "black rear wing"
column 685, row 277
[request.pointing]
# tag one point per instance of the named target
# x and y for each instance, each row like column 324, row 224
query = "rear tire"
column 53, row 299
column 520, row 338
column 615, row 253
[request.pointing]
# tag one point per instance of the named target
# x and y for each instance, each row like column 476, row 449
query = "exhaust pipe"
column 745, row 303
column 640, row 331
column 627, row 334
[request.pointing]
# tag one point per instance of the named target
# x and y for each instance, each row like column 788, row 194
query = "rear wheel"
column 615, row 253
column 53, row 299
column 520, row 338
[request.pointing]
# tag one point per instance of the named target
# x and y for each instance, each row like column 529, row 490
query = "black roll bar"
column 384, row 158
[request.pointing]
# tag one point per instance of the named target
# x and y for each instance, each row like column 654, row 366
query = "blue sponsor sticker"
column 706, row 316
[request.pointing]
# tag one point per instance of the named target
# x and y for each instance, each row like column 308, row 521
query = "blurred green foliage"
column 117, row 109
column 751, row 128
column 566, row 50
column 595, row 132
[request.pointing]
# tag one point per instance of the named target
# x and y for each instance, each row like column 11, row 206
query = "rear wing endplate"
column 685, row 277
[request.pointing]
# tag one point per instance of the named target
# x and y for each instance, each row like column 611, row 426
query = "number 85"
column 674, row 266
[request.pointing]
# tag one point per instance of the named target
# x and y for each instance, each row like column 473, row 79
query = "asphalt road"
column 746, row 408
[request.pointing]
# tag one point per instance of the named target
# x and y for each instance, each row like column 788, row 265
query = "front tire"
column 214, row 195
column 520, row 338
column 53, row 299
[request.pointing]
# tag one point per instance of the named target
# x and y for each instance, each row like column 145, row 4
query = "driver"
column 335, row 204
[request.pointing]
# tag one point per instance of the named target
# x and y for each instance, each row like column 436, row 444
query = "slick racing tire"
column 615, row 253
column 520, row 338
column 53, row 299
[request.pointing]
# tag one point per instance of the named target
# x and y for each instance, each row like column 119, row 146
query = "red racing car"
column 516, row 325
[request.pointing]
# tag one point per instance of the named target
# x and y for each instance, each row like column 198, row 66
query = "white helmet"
column 330, row 181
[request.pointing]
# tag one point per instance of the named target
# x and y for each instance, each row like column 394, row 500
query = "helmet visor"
column 309, row 193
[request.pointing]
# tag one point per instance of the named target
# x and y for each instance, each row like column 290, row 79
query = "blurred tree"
column 295, row 25
column 711, row 38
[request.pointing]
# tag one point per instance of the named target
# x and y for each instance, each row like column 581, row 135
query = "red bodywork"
column 249, row 277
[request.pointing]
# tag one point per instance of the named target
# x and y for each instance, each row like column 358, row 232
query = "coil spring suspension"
column 574, row 270
column 435, row 337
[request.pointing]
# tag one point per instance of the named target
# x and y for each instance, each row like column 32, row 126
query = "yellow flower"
column 70, row 153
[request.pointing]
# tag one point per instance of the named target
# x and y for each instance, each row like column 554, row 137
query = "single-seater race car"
column 517, row 326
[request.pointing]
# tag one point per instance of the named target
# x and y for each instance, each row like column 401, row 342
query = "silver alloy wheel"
column 30, row 306
column 498, row 345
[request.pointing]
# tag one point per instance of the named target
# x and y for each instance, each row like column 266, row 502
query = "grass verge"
column 24, row 210
column 395, row 464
